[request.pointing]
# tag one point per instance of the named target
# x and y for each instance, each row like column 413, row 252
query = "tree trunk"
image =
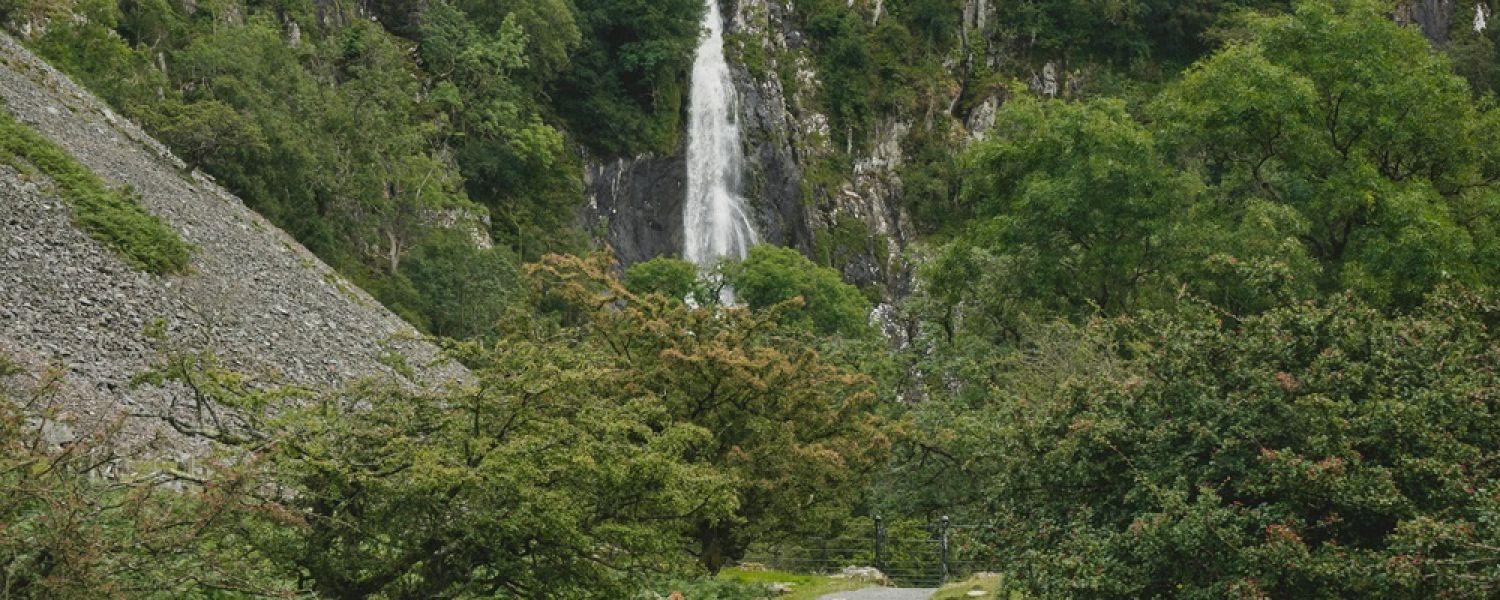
column 713, row 547
column 394, row 254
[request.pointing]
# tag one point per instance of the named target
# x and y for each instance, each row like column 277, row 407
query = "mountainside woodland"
column 1157, row 299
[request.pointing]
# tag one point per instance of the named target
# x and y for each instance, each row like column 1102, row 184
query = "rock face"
column 256, row 297
column 1436, row 18
column 636, row 204
column 781, row 129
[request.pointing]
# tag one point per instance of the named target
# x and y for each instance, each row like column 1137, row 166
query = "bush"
column 772, row 275
column 462, row 290
column 1317, row 451
column 674, row 277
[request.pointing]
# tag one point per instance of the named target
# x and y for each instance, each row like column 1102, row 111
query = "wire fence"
column 924, row 556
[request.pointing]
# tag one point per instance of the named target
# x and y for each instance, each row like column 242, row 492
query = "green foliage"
column 930, row 181
column 673, row 277
column 539, row 477
column 112, row 216
column 83, row 520
column 624, row 90
column 1077, row 212
column 847, row 238
column 1356, row 126
column 1316, row 451
column 868, row 69
column 512, row 161
column 574, row 462
column 463, row 291
column 1121, row 31
column 1330, row 150
column 772, row 275
column 199, row 131
column 794, row 433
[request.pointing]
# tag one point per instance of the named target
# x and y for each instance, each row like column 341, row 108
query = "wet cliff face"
column 776, row 128
column 1435, row 17
column 635, row 205
column 851, row 220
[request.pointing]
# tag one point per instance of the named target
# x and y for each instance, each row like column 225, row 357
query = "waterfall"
column 716, row 222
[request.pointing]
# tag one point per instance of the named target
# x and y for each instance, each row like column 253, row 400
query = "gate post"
column 943, row 546
column 879, row 544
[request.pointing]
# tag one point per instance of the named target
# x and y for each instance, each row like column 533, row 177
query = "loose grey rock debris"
column 255, row 296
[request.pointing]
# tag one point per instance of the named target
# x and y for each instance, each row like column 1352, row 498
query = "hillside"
column 252, row 294
column 1089, row 299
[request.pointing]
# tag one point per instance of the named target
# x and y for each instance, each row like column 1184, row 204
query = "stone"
column 63, row 295
column 861, row 574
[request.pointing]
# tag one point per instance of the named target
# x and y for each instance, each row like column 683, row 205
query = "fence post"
column 943, row 546
column 879, row 544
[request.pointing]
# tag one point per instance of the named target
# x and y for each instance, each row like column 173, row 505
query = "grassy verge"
column 112, row 216
column 991, row 585
column 804, row 587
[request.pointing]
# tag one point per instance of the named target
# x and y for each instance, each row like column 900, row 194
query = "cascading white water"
column 716, row 222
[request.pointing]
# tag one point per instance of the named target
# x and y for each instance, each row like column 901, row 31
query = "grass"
column 804, row 587
column 112, row 216
column 990, row 584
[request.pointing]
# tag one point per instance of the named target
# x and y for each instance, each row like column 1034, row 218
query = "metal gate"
column 909, row 555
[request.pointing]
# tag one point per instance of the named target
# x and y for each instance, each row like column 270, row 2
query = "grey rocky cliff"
column 636, row 203
column 1438, row 19
column 1435, row 17
column 781, row 132
column 264, row 303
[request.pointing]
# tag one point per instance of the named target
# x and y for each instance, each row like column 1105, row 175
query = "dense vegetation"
column 1215, row 318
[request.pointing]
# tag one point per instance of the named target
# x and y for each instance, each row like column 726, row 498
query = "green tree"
column 1315, row 451
column 673, row 277
column 463, row 290
column 794, row 433
column 512, row 161
column 772, row 275
column 86, row 516
column 199, row 131
column 1076, row 212
column 1122, row 31
column 1357, row 126
column 536, row 478
column 623, row 91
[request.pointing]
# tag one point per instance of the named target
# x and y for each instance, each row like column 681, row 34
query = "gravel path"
column 880, row 593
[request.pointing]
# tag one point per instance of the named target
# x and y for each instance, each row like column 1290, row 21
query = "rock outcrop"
column 636, row 203
column 264, row 303
column 1435, row 17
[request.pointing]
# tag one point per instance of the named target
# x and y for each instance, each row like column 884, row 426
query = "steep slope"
column 852, row 211
column 265, row 304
